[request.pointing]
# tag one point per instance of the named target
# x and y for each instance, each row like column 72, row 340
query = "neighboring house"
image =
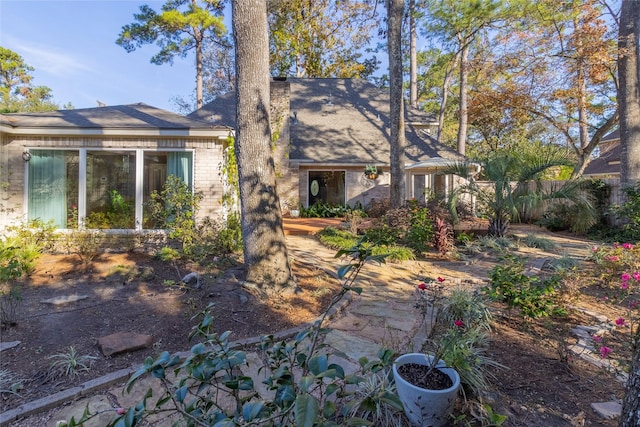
column 607, row 164
column 328, row 130
column 100, row 165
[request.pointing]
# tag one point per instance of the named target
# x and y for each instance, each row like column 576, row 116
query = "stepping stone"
column 607, row 410
column 7, row 345
column 122, row 342
column 65, row 299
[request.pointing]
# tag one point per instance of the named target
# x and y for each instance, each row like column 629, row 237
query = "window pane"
column 157, row 167
column 327, row 187
column 111, row 185
column 53, row 187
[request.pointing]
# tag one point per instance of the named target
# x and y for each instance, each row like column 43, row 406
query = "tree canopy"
column 18, row 94
column 180, row 27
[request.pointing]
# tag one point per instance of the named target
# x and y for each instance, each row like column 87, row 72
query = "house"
column 607, row 164
column 98, row 166
column 329, row 130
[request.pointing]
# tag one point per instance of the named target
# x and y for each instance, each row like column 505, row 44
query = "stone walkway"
column 383, row 315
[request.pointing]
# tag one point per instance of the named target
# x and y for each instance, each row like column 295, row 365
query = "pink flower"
column 633, row 304
column 440, row 279
column 620, row 321
column 422, row 286
column 636, row 276
column 596, row 338
column 459, row 323
column 121, row 411
column 625, row 277
column 624, row 285
column 627, row 245
column 612, row 258
column 605, row 351
column 594, row 249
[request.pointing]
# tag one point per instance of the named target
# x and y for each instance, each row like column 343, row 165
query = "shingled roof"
column 341, row 121
column 608, row 162
column 127, row 118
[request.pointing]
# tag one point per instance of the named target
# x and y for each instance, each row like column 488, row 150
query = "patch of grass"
column 341, row 239
column 337, row 239
column 496, row 243
column 534, row 241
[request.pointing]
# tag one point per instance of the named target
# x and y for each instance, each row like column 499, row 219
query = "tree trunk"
column 413, row 59
column 629, row 93
column 445, row 95
column 265, row 251
column 398, row 143
column 463, row 113
column 629, row 101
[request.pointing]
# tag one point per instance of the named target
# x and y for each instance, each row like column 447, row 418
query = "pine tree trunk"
column 413, row 59
column 463, row 113
column 629, row 92
column 629, row 101
column 265, row 250
column 398, row 143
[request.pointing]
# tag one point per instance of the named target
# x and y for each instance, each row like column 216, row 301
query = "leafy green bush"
column 533, row 296
column 119, row 214
column 322, row 210
column 534, row 241
column 342, row 240
column 174, row 209
column 629, row 212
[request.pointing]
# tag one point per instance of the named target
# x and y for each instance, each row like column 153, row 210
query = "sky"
column 71, row 45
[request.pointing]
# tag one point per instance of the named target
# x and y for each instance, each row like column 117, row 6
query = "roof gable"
column 340, row 121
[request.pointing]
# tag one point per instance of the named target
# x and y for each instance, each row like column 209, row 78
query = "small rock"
column 65, row 299
column 121, row 342
column 191, row 277
column 607, row 410
column 7, row 345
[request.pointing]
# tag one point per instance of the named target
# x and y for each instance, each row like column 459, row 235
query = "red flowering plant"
column 456, row 322
column 618, row 269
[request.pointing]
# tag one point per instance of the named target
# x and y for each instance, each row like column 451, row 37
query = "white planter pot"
column 423, row 407
column 295, row 213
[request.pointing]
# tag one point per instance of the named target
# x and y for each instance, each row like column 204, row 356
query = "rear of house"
column 98, row 167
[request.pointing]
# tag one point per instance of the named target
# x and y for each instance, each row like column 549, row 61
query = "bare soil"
column 543, row 385
column 132, row 292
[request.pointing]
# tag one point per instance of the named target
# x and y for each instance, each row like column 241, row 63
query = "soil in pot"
column 424, row 377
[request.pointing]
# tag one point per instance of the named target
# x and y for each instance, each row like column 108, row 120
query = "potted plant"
column 371, row 171
column 452, row 355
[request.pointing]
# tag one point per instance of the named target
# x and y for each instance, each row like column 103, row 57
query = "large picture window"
column 115, row 185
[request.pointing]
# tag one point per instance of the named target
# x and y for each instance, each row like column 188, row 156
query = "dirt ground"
column 128, row 292
column 544, row 384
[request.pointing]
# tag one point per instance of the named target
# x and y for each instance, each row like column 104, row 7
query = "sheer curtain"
column 48, row 187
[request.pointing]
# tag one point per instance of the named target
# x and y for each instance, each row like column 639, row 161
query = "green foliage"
column 119, row 214
column 457, row 326
column 36, row 232
column 535, row 241
column 18, row 256
column 17, row 93
column 304, row 387
column 629, row 212
column 323, row 210
column 534, row 297
column 70, row 363
column 341, row 239
column 421, row 231
column 168, row 254
column 86, row 244
column 175, row 209
column 382, row 234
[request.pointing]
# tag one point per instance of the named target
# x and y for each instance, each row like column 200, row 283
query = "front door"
column 327, row 187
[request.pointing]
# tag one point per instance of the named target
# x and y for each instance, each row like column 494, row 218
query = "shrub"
column 629, row 212
column 442, row 236
column 533, row 241
column 534, row 297
column 378, row 208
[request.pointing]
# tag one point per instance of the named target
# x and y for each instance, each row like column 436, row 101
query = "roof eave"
column 50, row 131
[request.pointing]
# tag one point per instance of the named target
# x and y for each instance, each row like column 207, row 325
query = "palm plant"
column 516, row 186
